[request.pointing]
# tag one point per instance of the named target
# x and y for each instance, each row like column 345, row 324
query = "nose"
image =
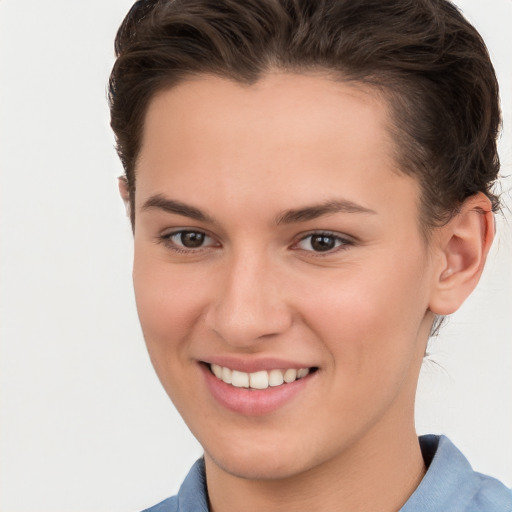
column 249, row 305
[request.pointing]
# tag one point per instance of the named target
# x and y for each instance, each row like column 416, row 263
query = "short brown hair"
column 428, row 60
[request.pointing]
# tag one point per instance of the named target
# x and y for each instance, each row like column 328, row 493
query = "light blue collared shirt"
column 449, row 485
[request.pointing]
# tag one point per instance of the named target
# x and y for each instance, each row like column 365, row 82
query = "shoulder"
column 192, row 496
column 490, row 496
column 168, row 505
column 450, row 483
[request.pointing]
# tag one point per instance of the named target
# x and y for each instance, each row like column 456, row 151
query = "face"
column 277, row 246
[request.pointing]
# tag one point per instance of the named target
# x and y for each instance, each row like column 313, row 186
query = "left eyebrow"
column 314, row 211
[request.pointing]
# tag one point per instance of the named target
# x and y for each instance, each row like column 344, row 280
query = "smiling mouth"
column 259, row 380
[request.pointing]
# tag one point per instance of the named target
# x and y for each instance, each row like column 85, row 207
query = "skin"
column 361, row 313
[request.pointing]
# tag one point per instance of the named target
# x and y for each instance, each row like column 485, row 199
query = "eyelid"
column 346, row 240
column 166, row 237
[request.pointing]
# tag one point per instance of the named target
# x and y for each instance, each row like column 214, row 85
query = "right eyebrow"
column 161, row 202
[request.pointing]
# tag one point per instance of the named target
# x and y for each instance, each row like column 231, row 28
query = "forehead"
column 293, row 133
column 280, row 107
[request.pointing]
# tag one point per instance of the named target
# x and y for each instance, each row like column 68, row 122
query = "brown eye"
column 187, row 240
column 322, row 242
column 191, row 239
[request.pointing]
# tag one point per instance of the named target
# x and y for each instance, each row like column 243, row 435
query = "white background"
column 84, row 424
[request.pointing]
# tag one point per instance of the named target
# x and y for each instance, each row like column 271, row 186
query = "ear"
column 124, row 192
column 462, row 246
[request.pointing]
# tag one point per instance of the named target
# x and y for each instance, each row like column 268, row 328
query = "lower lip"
column 253, row 402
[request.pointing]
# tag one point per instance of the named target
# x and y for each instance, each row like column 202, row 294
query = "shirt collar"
column 193, row 494
column 449, row 483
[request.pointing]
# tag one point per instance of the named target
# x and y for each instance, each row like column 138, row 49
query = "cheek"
column 370, row 327
column 169, row 301
column 369, row 316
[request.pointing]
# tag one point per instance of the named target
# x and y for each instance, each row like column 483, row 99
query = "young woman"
column 309, row 184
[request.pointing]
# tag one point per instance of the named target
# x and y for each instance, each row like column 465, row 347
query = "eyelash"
column 167, row 241
column 343, row 243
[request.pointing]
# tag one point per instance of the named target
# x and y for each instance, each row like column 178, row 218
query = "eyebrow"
column 177, row 207
column 327, row 208
column 304, row 214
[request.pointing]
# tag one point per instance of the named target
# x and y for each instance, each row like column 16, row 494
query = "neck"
column 380, row 472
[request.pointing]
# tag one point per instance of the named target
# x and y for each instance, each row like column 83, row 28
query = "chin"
column 256, row 468
column 257, row 458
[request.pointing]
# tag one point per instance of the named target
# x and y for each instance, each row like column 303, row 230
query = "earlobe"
column 464, row 244
column 125, row 193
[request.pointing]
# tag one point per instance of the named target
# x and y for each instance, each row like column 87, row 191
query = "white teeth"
column 275, row 378
column 302, row 373
column 217, row 371
column 239, row 379
column 290, row 375
column 226, row 375
column 258, row 380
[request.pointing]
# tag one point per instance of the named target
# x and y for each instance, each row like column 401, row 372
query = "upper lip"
column 251, row 365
